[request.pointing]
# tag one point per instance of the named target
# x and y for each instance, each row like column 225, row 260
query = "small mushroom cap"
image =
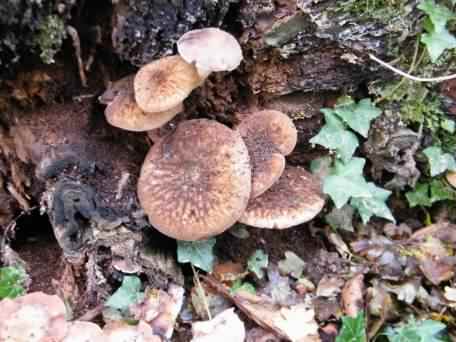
column 269, row 135
column 121, row 331
column 32, row 318
column 451, row 178
column 296, row 198
column 123, row 112
column 196, row 182
column 115, row 88
column 210, row 49
column 164, row 84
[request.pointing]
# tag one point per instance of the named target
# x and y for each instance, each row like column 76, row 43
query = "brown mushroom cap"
column 210, row 49
column 196, row 182
column 451, row 178
column 269, row 135
column 296, row 198
column 32, row 318
column 164, row 84
column 123, row 112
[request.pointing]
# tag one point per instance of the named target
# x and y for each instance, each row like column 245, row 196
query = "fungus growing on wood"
column 196, row 182
column 210, row 49
column 296, row 198
column 269, row 135
column 123, row 112
column 164, row 84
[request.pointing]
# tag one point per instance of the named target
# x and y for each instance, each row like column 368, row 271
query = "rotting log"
column 61, row 154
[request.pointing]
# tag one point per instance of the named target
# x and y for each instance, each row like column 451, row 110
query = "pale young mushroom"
column 269, row 135
column 210, row 49
column 164, row 84
column 196, row 182
column 296, row 198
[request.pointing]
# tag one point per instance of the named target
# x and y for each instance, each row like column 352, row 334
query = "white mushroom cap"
column 210, row 49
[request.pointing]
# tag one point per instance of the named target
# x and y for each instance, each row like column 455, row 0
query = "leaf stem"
column 411, row 77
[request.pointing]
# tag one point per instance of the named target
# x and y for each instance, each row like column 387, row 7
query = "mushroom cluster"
column 199, row 180
column 155, row 94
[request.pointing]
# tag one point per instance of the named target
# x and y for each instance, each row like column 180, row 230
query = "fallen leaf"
column 291, row 265
column 226, row 326
column 353, row 296
column 329, row 286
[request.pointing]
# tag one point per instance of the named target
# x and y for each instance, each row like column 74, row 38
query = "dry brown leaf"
column 226, row 326
column 353, row 296
column 292, row 323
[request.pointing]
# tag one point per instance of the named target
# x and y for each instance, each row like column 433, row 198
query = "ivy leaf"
column 12, row 281
column 198, row 253
column 334, row 136
column 345, row 181
column 417, row 331
column 437, row 42
column 426, row 194
column 375, row 205
column 127, row 294
column 358, row 115
column 257, row 262
column 438, row 14
column 238, row 285
column 353, row 329
column 419, row 196
column 439, row 161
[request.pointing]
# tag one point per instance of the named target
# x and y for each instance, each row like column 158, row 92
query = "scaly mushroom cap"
column 123, row 112
column 196, row 182
column 296, row 198
column 210, row 49
column 269, row 135
column 164, row 84
column 34, row 317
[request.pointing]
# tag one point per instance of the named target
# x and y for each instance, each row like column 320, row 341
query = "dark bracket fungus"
column 72, row 213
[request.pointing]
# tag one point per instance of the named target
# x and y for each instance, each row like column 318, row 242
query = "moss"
column 50, row 38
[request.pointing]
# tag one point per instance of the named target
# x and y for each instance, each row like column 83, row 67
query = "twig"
column 411, row 77
column 201, row 292
column 77, row 47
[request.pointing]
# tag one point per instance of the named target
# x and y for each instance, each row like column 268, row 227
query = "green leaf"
column 426, row 194
column 127, row 294
column 345, row 181
column 375, row 205
column 292, row 265
column 353, row 329
column 437, row 42
column 238, row 285
column 419, row 196
column 358, row 115
column 257, row 262
column 417, row 331
column 439, row 161
column 438, row 14
column 334, row 136
column 198, row 253
column 12, row 281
